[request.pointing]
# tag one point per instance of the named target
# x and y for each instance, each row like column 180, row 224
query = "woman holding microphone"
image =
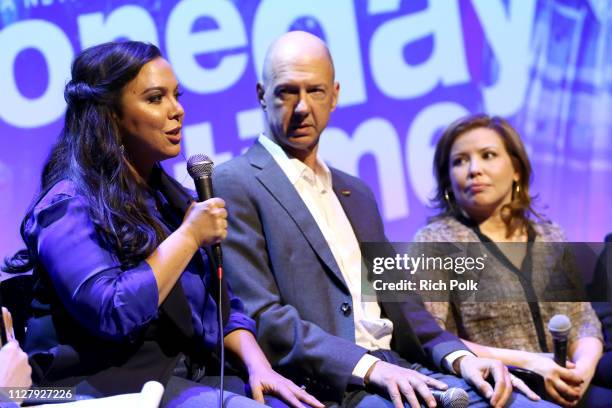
column 123, row 289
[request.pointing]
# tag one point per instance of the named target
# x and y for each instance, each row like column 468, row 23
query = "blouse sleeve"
column 584, row 321
column 238, row 318
column 110, row 302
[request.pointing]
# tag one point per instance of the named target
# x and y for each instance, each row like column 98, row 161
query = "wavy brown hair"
column 517, row 213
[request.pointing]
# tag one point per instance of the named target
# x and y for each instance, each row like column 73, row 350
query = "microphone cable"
column 220, row 321
column 200, row 168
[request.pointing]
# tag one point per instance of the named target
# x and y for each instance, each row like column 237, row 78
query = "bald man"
column 292, row 253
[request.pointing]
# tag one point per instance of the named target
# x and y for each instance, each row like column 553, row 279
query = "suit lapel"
column 404, row 339
column 350, row 204
column 360, row 218
column 278, row 185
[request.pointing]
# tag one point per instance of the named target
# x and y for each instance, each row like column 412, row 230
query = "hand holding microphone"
column 200, row 167
column 403, row 384
column 559, row 327
column 206, row 220
column 561, row 382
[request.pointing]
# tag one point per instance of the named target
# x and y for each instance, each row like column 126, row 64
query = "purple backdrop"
column 406, row 69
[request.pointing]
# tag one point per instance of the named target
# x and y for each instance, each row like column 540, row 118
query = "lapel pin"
column 345, row 192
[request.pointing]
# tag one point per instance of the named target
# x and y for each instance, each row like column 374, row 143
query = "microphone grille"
column 559, row 323
column 199, row 165
column 455, row 398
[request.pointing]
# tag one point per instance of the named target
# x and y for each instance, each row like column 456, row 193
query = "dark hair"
column 89, row 153
column 516, row 214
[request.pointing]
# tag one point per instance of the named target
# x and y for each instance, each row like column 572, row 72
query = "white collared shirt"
column 315, row 189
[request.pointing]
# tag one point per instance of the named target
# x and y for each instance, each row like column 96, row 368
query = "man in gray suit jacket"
column 292, row 254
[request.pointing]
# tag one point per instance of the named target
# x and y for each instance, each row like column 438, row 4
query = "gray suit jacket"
column 279, row 263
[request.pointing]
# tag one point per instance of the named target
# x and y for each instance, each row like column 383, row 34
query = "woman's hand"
column 264, row 380
column 206, row 222
column 563, row 385
column 586, row 372
column 14, row 368
column 586, row 352
column 15, row 371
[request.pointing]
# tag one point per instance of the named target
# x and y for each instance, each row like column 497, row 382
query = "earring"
column 122, row 149
column 447, row 197
column 516, row 190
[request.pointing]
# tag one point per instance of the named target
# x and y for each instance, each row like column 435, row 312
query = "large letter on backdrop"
column 53, row 44
column 509, row 37
column 376, row 137
column 420, row 147
column 183, row 45
column 133, row 22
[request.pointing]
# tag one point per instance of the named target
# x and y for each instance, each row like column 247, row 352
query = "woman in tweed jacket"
column 483, row 174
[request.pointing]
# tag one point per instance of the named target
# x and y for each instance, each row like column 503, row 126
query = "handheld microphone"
column 559, row 327
column 451, row 398
column 200, row 168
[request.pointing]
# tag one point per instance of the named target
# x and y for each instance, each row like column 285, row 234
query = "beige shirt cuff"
column 450, row 358
column 361, row 369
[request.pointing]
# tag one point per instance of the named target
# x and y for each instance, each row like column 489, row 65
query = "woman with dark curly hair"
column 123, row 291
column 483, row 174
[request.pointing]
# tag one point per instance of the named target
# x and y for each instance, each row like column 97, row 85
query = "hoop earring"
column 447, row 198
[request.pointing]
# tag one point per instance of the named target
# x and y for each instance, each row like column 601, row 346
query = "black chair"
column 599, row 291
column 533, row 380
column 16, row 296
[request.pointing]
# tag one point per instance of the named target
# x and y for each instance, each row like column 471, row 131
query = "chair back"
column 16, row 295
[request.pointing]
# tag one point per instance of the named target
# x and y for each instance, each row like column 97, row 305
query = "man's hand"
column 402, row 382
column 475, row 370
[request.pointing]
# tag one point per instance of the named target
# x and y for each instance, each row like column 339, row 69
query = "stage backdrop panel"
column 406, row 69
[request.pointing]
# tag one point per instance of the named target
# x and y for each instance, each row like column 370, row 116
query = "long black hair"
column 89, row 153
